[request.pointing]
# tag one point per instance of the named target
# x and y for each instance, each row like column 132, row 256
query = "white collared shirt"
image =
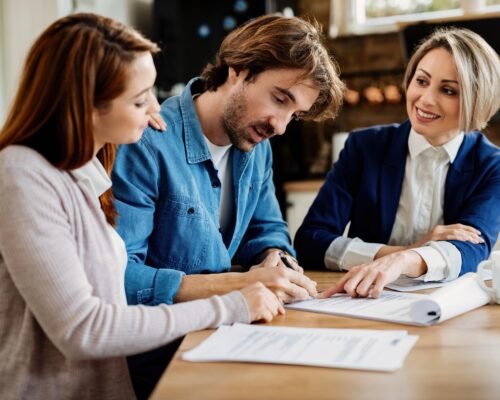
column 420, row 209
column 93, row 177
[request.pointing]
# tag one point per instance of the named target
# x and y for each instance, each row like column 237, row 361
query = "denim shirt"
column 168, row 194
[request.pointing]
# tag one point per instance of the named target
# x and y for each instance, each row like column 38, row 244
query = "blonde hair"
column 478, row 68
column 274, row 41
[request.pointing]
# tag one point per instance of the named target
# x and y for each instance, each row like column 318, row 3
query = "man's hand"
column 287, row 284
column 368, row 280
column 272, row 261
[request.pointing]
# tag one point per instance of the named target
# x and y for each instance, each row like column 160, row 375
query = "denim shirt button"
column 190, row 210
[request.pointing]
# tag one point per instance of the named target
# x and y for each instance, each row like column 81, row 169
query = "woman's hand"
column 157, row 122
column 461, row 232
column 263, row 304
column 368, row 280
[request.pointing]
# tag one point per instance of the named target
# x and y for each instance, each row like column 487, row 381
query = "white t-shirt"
column 221, row 156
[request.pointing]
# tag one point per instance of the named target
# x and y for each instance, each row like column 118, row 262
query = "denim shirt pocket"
column 182, row 235
column 253, row 190
column 248, row 204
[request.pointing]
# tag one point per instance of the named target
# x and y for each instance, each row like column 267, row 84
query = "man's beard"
column 234, row 126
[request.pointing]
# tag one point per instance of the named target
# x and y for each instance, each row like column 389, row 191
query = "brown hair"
column 79, row 63
column 274, row 41
column 478, row 69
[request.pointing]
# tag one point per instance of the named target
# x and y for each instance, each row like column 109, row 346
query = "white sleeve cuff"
column 443, row 260
column 345, row 253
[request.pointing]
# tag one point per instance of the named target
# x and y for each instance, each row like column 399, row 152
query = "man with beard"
column 200, row 198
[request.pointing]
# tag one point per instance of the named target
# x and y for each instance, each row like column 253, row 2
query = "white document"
column 341, row 348
column 407, row 284
column 462, row 295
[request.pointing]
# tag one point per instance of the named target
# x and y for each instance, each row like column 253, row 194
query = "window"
column 390, row 8
column 367, row 16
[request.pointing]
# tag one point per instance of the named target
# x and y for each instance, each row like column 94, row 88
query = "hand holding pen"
column 281, row 273
column 286, row 259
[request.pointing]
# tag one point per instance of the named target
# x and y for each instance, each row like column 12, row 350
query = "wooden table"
column 458, row 359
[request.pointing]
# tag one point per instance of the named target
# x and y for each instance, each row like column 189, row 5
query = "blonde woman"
column 423, row 197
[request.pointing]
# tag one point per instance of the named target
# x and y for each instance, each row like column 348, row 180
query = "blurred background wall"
column 370, row 42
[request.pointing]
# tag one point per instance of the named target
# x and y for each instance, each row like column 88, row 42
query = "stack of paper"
column 341, row 348
column 462, row 295
column 407, row 284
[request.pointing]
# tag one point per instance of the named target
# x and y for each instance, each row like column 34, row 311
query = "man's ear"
column 233, row 75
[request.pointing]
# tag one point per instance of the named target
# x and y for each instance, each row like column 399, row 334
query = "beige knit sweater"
column 64, row 323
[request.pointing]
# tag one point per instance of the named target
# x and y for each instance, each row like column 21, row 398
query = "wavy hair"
column 78, row 64
column 272, row 42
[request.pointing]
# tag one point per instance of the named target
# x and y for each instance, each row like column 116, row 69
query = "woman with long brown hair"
column 64, row 323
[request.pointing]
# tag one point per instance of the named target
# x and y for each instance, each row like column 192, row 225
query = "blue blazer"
column 364, row 187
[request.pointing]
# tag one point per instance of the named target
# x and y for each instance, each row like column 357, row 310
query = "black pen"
column 285, row 261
